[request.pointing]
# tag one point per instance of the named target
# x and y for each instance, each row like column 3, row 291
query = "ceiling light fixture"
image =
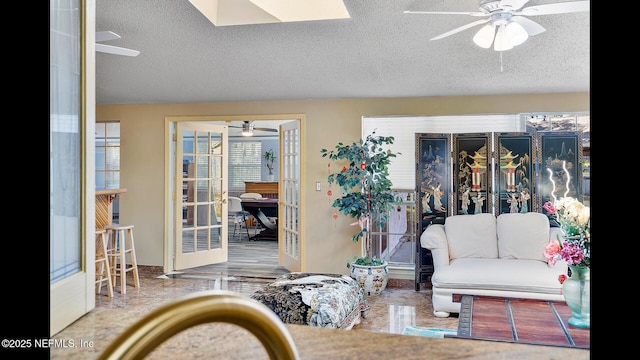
column 247, row 128
column 504, row 32
column 507, row 22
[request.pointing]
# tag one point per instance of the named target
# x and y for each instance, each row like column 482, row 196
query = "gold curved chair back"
column 200, row 308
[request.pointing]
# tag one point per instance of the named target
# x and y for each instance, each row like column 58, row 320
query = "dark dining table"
column 263, row 210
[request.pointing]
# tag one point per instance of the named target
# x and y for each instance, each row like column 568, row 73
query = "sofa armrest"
column 435, row 239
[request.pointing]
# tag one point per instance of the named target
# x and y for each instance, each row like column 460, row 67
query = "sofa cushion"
column 471, row 236
column 503, row 274
column 522, row 236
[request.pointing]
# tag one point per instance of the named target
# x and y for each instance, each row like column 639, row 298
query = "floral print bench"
column 322, row 300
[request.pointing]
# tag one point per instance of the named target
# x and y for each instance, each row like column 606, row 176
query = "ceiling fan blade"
column 247, row 123
column 461, row 28
column 558, row 8
column 532, row 27
column 116, row 50
column 106, row 36
column 265, row 129
column 514, row 4
column 472, row 13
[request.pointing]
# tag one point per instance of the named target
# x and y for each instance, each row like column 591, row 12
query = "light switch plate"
column 318, row 186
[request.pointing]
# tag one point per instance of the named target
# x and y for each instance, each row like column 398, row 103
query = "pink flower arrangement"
column 575, row 245
column 572, row 253
column 550, row 251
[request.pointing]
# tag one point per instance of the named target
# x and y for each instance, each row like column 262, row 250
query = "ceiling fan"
column 506, row 22
column 248, row 128
column 110, row 49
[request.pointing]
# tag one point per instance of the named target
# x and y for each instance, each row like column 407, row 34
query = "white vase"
column 373, row 279
column 271, row 177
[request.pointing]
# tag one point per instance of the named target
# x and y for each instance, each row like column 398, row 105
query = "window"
column 108, row 160
column 396, row 241
column 561, row 122
column 404, row 128
column 580, row 121
column 245, row 161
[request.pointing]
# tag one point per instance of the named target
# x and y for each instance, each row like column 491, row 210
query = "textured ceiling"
column 378, row 52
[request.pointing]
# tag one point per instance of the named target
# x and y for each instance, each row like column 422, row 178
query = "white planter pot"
column 373, row 279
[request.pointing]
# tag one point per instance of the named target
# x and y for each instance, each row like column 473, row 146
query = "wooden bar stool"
column 120, row 244
column 103, row 269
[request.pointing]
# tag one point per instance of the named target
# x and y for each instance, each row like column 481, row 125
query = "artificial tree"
column 365, row 188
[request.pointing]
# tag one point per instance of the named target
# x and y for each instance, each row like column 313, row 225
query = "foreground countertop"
column 318, row 343
column 228, row 341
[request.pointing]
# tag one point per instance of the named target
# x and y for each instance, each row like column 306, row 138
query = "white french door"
column 201, row 195
column 71, row 162
column 289, row 244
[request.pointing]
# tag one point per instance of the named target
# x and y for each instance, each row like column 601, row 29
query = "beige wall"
column 327, row 122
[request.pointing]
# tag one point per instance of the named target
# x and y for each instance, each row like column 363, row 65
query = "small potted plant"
column 269, row 158
column 367, row 197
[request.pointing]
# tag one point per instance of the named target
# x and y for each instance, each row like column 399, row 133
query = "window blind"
column 403, row 128
column 245, row 159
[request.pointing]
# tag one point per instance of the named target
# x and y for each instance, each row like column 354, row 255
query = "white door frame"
column 170, row 196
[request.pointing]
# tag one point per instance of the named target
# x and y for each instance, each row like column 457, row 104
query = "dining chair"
column 249, row 195
column 252, row 196
column 237, row 215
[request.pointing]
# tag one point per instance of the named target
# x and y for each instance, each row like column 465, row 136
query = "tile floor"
column 391, row 312
column 397, row 307
column 375, row 337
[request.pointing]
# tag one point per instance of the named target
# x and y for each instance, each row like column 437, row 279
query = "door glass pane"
column 64, row 180
column 216, row 144
column 202, row 214
column 187, row 142
column 214, row 240
column 202, row 243
column 187, row 240
column 202, row 143
column 64, row 140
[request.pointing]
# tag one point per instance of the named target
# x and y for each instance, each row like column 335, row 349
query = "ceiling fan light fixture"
column 502, row 42
column 508, row 17
column 484, row 36
column 247, row 129
column 516, row 33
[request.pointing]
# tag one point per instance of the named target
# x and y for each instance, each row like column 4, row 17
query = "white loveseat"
column 483, row 255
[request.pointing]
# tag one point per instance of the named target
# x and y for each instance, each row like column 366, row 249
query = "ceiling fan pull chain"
column 501, row 68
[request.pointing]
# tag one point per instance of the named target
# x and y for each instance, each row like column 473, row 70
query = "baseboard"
column 403, row 273
column 400, row 284
column 150, row 270
column 402, row 278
